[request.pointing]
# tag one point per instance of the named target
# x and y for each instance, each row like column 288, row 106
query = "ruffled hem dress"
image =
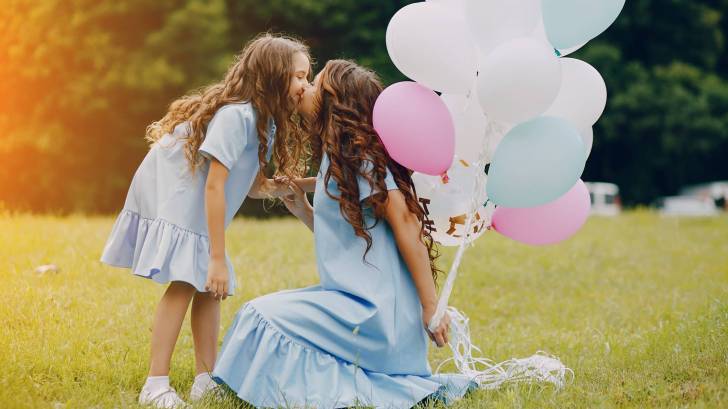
column 356, row 339
column 161, row 233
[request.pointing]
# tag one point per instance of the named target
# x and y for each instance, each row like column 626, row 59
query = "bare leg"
column 205, row 328
column 168, row 320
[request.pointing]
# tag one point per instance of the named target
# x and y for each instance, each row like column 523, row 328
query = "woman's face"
column 309, row 104
column 299, row 81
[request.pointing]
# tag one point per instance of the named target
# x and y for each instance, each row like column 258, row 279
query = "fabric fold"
column 266, row 368
column 159, row 250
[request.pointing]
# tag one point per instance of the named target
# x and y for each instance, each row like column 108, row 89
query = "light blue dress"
column 357, row 338
column 162, row 233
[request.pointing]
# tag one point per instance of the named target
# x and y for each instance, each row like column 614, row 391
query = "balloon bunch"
column 493, row 90
column 505, row 95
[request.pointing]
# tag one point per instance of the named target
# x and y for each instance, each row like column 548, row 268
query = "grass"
column 637, row 306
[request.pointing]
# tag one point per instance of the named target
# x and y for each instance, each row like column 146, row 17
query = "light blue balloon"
column 569, row 23
column 536, row 163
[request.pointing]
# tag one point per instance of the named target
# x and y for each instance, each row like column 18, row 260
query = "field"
column 637, row 306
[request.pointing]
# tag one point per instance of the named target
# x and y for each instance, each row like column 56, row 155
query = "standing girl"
column 359, row 337
column 208, row 153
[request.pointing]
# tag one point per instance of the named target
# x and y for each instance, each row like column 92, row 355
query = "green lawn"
column 637, row 306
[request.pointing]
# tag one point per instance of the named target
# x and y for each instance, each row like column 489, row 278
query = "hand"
column 297, row 203
column 440, row 336
column 281, row 186
column 217, row 278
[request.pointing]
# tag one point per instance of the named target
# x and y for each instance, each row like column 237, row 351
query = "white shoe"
column 201, row 388
column 165, row 398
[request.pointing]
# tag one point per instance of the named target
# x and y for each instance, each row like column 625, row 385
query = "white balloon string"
column 538, row 368
column 478, row 186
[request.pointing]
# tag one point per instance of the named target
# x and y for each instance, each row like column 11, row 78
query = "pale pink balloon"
column 545, row 224
column 415, row 127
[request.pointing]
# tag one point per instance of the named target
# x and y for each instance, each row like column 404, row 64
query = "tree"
column 81, row 79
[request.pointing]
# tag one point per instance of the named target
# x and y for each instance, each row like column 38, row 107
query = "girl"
column 208, row 153
column 359, row 337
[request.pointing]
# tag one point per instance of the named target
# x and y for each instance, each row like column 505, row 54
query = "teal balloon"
column 569, row 23
column 537, row 162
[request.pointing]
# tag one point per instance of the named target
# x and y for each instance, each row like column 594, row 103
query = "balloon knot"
column 445, row 178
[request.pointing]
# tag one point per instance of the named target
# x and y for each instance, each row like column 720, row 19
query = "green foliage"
column 80, row 80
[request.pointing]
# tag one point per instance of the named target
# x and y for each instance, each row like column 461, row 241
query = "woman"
column 359, row 337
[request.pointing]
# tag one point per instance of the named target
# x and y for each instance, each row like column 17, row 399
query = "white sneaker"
column 165, row 398
column 200, row 388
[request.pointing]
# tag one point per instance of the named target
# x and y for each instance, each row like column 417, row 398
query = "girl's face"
column 311, row 97
column 299, row 81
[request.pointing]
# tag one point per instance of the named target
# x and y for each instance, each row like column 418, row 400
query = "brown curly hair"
column 261, row 75
column 344, row 122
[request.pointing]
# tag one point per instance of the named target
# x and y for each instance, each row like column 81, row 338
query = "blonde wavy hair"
column 261, row 74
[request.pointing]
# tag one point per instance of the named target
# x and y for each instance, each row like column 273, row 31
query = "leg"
column 168, row 319
column 205, row 328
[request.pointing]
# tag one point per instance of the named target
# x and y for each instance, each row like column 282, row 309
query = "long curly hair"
column 343, row 119
column 260, row 74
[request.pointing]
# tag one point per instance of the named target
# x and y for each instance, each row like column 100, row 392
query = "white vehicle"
column 604, row 198
column 687, row 206
column 715, row 191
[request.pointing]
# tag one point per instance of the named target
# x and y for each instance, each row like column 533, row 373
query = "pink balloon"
column 545, row 224
column 415, row 127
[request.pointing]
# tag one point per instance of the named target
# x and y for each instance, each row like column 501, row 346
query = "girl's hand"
column 280, row 186
column 217, row 278
column 297, row 203
column 440, row 335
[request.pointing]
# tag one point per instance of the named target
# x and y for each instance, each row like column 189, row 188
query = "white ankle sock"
column 155, row 383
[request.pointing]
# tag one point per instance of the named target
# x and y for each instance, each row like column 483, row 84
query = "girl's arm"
column 408, row 235
column 217, row 272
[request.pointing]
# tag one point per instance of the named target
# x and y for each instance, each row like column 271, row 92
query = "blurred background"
column 81, row 79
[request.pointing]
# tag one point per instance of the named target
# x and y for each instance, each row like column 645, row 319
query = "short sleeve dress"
column 355, row 339
column 161, row 233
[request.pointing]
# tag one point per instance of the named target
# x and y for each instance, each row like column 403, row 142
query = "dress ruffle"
column 266, row 368
column 159, row 250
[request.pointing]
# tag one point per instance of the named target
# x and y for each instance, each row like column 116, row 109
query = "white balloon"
column 458, row 4
column 587, row 135
column 496, row 132
column 470, row 125
column 425, row 184
column 493, row 22
column 450, row 230
column 518, row 81
column 583, row 94
column 452, row 194
column 429, row 42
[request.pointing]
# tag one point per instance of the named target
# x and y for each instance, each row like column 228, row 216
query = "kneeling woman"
column 359, row 337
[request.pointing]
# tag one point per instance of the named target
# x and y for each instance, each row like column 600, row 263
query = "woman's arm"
column 298, row 205
column 264, row 188
column 217, row 274
column 408, row 235
column 307, row 184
